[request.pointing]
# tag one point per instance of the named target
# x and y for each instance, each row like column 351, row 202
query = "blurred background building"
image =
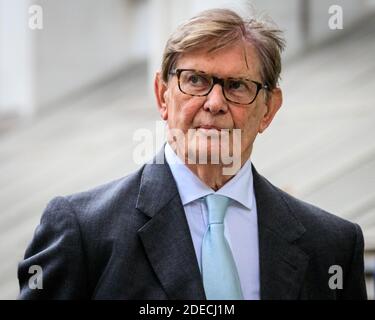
column 73, row 93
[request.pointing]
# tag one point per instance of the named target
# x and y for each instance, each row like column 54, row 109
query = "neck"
column 213, row 174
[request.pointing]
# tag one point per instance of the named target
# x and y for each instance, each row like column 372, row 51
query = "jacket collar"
column 166, row 236
column 169, row 247
column 282, row 263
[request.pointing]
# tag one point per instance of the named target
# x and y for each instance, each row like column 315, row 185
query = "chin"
column 207, row 147
column 205, row 154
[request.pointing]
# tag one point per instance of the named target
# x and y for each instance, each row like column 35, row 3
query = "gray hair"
column 216, row 28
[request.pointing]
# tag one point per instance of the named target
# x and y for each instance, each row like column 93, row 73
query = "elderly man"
column 188, row 227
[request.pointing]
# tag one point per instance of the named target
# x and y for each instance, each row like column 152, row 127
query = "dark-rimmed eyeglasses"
column 237, row 90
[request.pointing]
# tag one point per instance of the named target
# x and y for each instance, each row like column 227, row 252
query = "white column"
column 16, row 71
column 159, row 28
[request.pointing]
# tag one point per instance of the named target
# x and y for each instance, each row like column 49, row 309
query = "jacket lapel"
column 282, row 262
column 168, row 244
column 166, row 236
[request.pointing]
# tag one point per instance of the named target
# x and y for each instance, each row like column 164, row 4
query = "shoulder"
column 98, row 204
column 326, row 234
column 316, row 219
column 321, row 227
column 330, row 240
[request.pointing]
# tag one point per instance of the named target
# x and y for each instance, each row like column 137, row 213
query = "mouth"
column 210, row 127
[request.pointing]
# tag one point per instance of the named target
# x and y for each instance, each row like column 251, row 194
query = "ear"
column 273, row 105
column 160, row 88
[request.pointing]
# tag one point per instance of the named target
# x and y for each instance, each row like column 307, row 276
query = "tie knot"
column 217, row 206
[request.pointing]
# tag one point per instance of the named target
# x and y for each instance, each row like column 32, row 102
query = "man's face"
column 209, row 114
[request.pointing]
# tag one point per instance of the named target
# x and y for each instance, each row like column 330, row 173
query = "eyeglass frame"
column 220, row 81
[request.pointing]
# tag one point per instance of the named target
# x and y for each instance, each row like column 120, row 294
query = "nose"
column 216, row 102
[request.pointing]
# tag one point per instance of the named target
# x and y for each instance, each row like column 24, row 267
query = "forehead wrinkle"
column 245, row 57
column 247, row 53
column 249, row 48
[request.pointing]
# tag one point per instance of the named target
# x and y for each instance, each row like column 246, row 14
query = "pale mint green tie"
column 219, row 272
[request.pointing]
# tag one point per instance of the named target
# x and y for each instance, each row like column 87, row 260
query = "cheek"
column 248, row 121
column 243, row 119
column 190, row 109
column 183, row 111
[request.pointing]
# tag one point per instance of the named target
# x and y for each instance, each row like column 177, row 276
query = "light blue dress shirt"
column 240, row 223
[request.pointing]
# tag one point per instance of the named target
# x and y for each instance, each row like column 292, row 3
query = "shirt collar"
column 190, row 187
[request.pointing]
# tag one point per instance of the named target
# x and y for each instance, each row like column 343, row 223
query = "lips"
column 208, row 127
column 211, row 127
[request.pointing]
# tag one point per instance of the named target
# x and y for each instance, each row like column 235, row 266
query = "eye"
column 196, row 79
column 237, row 85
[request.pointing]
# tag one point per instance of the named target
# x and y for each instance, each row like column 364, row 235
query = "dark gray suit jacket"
column 129, row 239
